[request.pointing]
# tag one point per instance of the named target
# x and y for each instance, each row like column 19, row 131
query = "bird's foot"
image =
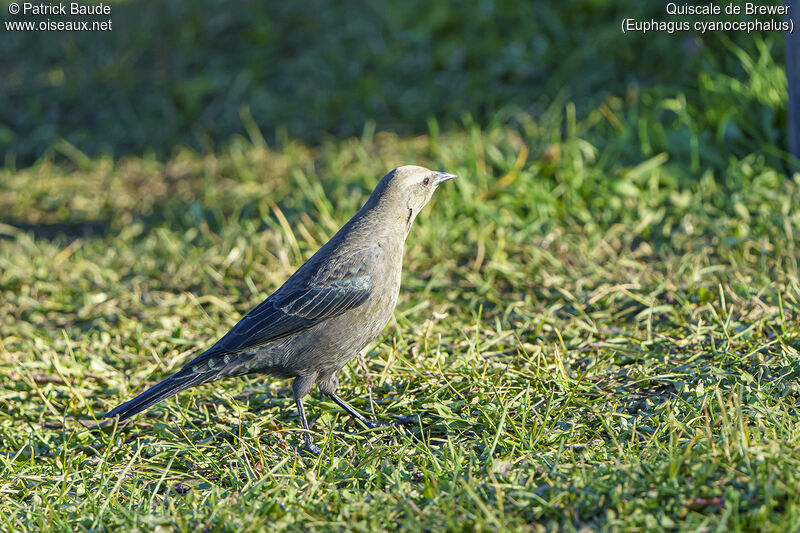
column 402, row 421
column 374, row 424
column 407, row 420
column 310, row 448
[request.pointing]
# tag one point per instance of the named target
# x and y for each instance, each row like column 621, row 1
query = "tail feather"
column 161, row 391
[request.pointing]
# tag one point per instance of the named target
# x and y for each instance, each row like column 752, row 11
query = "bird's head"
column 404, row 191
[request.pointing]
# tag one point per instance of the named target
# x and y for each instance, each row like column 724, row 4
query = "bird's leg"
column 300, row 387
column 355, row 414
column 310, row 446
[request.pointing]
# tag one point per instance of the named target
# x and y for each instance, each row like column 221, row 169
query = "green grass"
column 579, row 357
column 196, row 72
column 598, row 326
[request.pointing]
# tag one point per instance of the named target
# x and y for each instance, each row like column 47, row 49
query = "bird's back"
column 331, row 307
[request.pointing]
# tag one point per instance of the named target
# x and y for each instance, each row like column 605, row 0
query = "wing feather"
column 303, row 302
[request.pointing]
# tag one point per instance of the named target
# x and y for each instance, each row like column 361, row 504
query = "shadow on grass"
column 202, row 71
column 59, row 231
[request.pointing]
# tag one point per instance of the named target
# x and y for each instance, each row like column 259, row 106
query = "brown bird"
column 333, row 306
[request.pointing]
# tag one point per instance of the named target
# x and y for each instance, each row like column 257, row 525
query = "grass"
column 197, row 72
column 635, row 370
column 598, row 324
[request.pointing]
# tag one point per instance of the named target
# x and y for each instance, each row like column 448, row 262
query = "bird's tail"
column 169, row 387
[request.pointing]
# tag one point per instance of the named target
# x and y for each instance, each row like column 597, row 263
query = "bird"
column 335, row 304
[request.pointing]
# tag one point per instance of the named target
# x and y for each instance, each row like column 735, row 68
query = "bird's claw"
column 374, row 424
column 407, row 420
column 310, row 448
column 402, row 421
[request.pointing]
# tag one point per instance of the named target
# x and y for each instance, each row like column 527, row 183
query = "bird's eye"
column 426, row 181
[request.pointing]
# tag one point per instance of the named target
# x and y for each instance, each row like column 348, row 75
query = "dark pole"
column 793, row 77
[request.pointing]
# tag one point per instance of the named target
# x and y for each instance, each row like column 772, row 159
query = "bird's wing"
column 329, row 292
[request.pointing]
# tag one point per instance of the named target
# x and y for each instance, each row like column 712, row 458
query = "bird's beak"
column 441, row 177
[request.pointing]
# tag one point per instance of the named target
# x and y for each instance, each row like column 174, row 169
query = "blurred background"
column 196, row 73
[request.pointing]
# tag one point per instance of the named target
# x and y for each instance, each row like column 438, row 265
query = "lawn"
column 598, row 327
